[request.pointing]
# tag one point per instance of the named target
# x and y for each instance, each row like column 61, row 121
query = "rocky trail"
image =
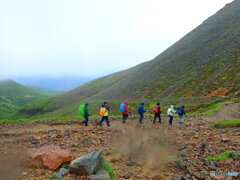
column 137, row 152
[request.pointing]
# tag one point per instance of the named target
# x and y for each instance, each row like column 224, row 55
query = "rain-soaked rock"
column 49, row 157
column 59, row 175
column 33, row 140
column 101, row 175
column 88, row 164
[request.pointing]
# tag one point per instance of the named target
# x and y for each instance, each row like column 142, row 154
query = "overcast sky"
column 92, row 37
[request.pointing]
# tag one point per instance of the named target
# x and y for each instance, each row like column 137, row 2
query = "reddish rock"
column 49, row 157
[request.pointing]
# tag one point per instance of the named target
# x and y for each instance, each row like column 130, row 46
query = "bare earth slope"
column 137, row 152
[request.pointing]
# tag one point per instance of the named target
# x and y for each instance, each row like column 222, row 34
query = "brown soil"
column 137, row 152
column 218, row 92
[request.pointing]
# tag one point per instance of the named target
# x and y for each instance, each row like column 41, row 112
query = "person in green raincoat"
column 83, row 112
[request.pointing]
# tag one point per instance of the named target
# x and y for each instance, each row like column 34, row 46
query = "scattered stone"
column 101, row 175
column 59, row 175
column 202, row 145
column 33, row 140
column 49, row 157
column 63, row 171
column 176, row 177
column 86, row 141
column 187, row 177
column 88, row 164
column 181, row 165
column 65, row 133
column 184, row 152
column 236, row 155
column 225, row 140
column 52, row 134
column 127, row 175
column 200, row 175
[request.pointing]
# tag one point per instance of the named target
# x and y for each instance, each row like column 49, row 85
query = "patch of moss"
column 109, row 168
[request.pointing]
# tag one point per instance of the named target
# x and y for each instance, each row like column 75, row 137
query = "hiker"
column 124, row 110
column 181, row 112
column 157, row 112
column 104, row 111
column 170, row 113
column 83, row 111
column 141, row 111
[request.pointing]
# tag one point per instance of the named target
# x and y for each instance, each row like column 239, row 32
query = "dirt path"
column 136, row 151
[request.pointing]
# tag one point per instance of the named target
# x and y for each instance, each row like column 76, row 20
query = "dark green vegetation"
column 13, row 96
column 206, row 59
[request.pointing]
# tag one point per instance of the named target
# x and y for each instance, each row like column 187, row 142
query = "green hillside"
column 204, row 60
column 13, row 96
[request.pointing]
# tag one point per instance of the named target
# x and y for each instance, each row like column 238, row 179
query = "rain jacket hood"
column 125, row 102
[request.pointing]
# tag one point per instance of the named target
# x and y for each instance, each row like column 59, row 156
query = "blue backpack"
column 122, row 107
column 179, row 111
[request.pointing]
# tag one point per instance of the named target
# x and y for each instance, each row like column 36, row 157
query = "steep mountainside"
column 13, row 96
column 206, row 59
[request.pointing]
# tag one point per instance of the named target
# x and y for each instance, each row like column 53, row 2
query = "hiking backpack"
column 155, row 109
column 102, row 111
column 122, row 107
column 179, row 111
column 81, row 111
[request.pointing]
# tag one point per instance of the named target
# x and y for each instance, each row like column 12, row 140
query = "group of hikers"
column 124, row 109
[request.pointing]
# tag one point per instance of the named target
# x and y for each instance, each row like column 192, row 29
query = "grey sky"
column 91, row 37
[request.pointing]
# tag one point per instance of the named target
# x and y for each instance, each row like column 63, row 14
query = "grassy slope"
column 13, row 96
column 204, row 60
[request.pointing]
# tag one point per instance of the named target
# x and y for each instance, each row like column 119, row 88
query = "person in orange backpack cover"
column 104, row 112
column 157, row 112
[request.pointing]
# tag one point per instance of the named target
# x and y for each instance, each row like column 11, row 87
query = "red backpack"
column 155, row 109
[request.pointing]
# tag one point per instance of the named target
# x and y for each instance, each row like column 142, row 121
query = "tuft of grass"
column 226, row 155
column 65, row 166
column 51, row 177
column 223, row 156
column 206, row 109
column 109, row 168
column 224, row 123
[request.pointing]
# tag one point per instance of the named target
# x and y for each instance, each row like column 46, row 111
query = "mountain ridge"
column 204, row 60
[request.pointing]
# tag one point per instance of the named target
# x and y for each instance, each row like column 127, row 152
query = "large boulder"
column 88, row 164
column 49, row 157
column 101, row 175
